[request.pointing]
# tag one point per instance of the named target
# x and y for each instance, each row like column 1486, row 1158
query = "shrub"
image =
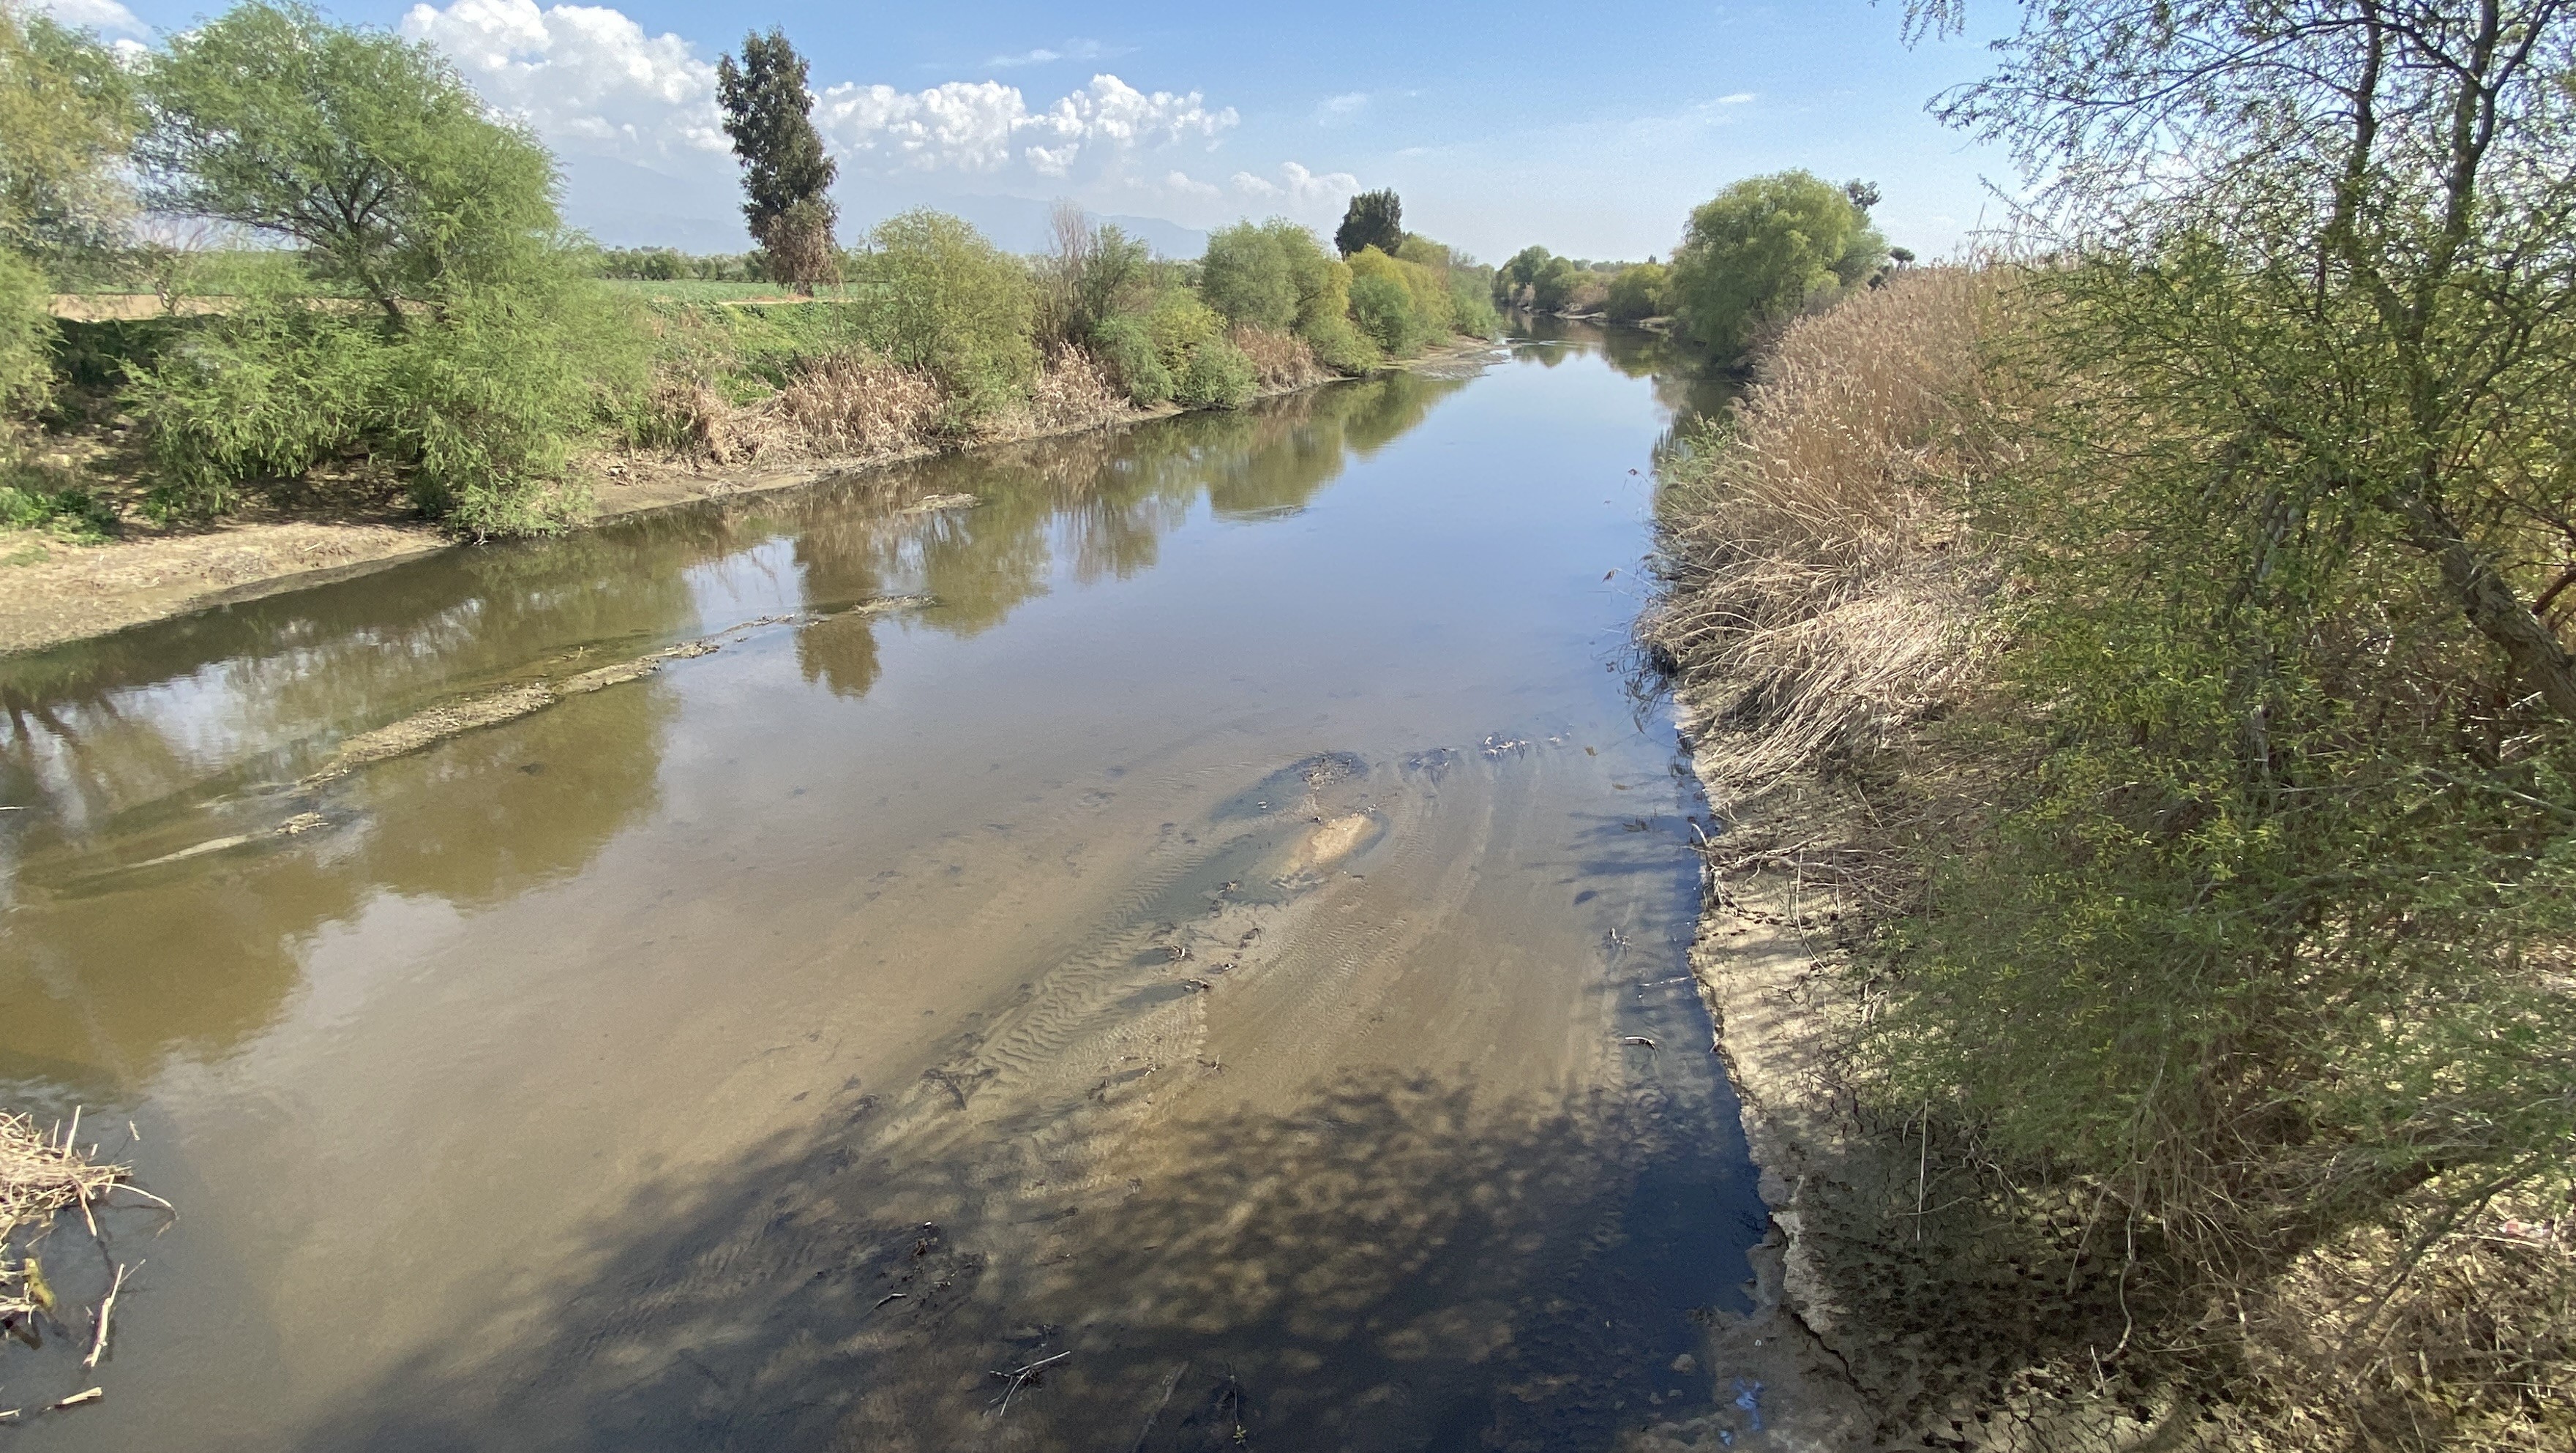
column 25, row 333
column 270, row 389
column 1340, row 345
column 1179, row 325
column 1471, row 307
column 940, row 297
column 1246, row 275
column 1384, row 312
column 1763, row 251
column 1637, row 292
column 1125, row 345
column 1217, row 376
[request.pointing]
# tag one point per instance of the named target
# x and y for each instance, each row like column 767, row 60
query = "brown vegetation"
column 1837, row 626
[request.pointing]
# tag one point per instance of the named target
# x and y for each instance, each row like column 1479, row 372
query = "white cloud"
column 1341, row 110
column 1737, row 99
column 1071, row 50
column 1188, row 186
column 1299, row 190
column 105, row 16
column 584, row 76
column 986, row 126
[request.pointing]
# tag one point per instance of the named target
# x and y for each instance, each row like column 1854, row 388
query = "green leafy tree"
column 1637, row 292
column 1089, row 274
column 941, row 297
column 368, row 150
column 1373, row 219
column 1554, row 283
column 786, row 174
column 1246, row 275
column 1762, row 251
column 70, row 114
column 1518, row 275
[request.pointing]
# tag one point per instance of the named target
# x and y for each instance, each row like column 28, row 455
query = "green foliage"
column 69, row 113
column 1383, row 309
column 270, row 389
column 1124, row 343
column 938, row 296
column 1374, row 219
column 26, row 333
column 1637, row 292
column 1765, row 250
column 1217, row 375
column 1471, row 307
column 1091, row 274
column 368, row 150
column 1552, row 286
column 786, row 174
column 1521, row 273
column 1246, row 275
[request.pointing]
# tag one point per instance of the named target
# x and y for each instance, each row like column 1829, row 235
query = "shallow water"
column 1199, row 940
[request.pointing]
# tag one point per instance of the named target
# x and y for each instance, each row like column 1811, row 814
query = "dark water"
column 1199, row 940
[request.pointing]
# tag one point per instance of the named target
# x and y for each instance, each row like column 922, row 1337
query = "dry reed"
column 1821, row 587
column 1279, row 360
column 42, row 1173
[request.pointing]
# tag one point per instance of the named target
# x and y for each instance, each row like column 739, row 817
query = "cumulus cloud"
column 584, row 76
column 1297, row 188
column 1189, row 186
column 105, row 16
column 986, row 126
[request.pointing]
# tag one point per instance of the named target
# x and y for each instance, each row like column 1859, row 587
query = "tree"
column 1245, row 275
column 1637, row 292
column 949, row 301
column 70, row 114
column 1554, row 283
column 1090, row 273
column 786, row 176
column 1762, row 251
column 1374, row 219
column 2440, row 226
column 369, row 150
column 1520, row 273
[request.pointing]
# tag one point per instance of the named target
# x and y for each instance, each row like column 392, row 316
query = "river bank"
column 54, row 591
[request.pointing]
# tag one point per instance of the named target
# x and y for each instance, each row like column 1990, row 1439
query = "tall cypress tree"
column 1375, row 219
column 785, row 174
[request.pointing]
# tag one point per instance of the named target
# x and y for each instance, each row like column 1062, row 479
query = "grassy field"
column 698, row 290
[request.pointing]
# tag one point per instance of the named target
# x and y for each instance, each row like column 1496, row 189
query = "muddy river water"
column 1173, row 921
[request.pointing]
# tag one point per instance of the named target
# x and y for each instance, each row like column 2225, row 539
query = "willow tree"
column 786, row 175
column 1373, row 219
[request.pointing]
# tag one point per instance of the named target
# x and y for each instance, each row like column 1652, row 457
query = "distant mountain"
column 621, row 204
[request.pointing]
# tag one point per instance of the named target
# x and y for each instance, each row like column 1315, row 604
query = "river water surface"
column 1174, row 922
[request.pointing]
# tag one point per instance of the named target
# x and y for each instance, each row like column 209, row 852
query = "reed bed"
column 1821, row 586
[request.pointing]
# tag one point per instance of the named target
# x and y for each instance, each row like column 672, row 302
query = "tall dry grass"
column 861, row 405
column 1279, row 360
column 1822, row 588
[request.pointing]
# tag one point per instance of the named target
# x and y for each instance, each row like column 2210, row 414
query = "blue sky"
column 1590, row 130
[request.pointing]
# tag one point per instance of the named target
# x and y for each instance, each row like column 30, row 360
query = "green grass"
column 693, row 290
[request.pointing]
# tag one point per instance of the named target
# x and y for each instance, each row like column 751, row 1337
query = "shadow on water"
column 1389, row 1265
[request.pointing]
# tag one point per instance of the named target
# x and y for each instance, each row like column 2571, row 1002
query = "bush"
column 938, row 296
column 268, row 390
column 1471, row 307
column 25, row 333
column 1384, row 312
column 1765, row 250
column 1340, row 345
column 1246, row 276
column 1137, row 366
column 1217, row 376
column 1637, row 292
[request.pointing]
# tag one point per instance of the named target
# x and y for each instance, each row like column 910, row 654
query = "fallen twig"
column 87, row 1395
column 1023, row 1375
column 1639, row 1039
column 105, row 1309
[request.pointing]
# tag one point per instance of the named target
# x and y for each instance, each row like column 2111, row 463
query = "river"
column 1175, row 922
